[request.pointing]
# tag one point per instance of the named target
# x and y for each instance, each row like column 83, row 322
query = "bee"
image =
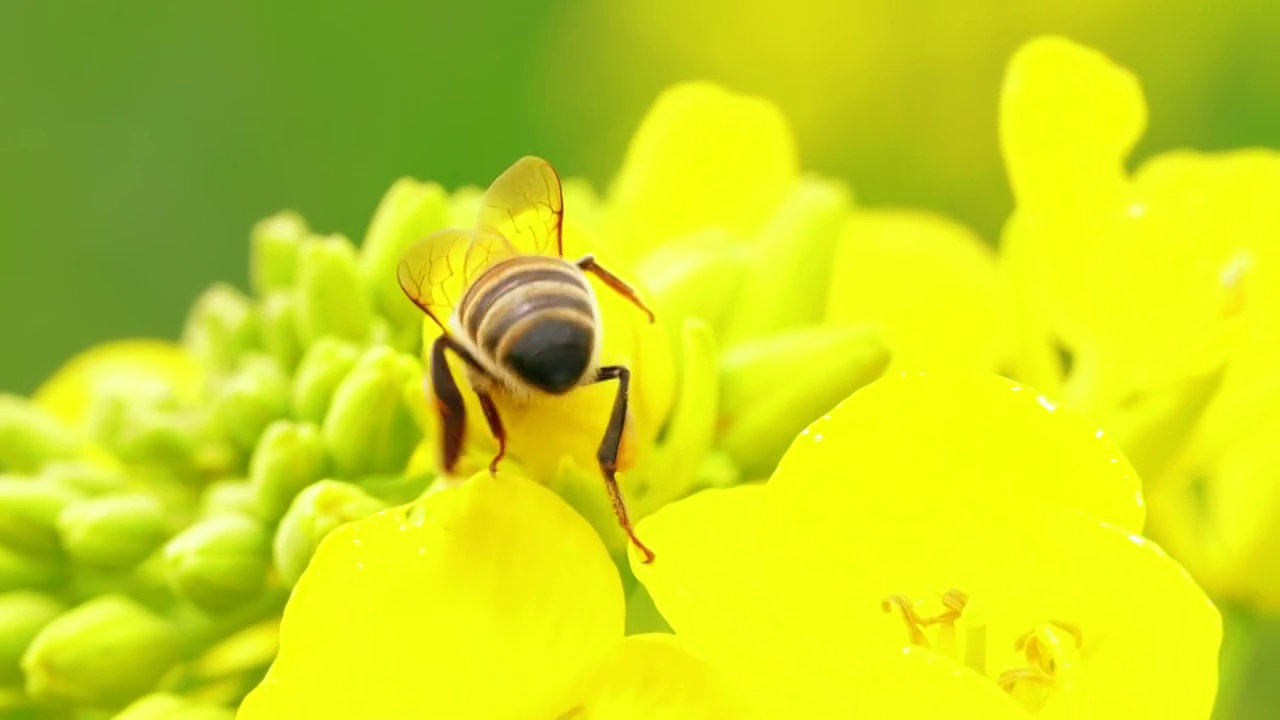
column 524, row 320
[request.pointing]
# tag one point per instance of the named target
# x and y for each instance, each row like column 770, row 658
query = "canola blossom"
column 937, row 544
column 1163, row 286
column 254, row 516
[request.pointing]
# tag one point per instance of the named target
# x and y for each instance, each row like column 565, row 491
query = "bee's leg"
column 495, row 426
column 608, row 453
column 449, row 405
column 588, row 264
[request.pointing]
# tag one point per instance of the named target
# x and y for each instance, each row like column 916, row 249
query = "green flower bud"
column 30, row 437
column 789, row 274
column 250, row 400
column 289, row 457
column 696, row 277
column 691, row 429
column 145, row 429
column 219, row 563
column 23, row 614
column 229, row 496
column 397, row 489
column 221, row 326
column 323, row 366
column 370, row 429
column 273, row 255
column 280, row 328
column 115, row 532
column 83, row 479
column 314, row 514
column 161, row 706
column 772, row 389
column 19, row 571
column 28, row 515
column 409, row 211
column 331, row 298
column 102, row 654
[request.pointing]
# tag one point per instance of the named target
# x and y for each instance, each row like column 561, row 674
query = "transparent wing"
column 525, row 205
column 436, row 271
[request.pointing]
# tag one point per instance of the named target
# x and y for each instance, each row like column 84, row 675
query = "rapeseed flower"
column 424, row 609
column 1162, row 286
column 938, row 544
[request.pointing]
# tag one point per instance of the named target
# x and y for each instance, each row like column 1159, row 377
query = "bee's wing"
column 525, row 206
column 436, row 271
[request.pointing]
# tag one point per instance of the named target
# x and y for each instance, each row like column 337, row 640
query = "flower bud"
column 228, row 496
column 23, row 614
column 160, row 706
column 331, row 298
column 409, row 211
column 145, row 429
column 772, row 389
column 19, row 572
column 29, row 436
column 398, row 489
column 370, row 429
column 313, row 515
column 83, row 479
column 101, row 654
column 221, row 326
column 273, row 254
column 786, row 283
column 251, row 400
column 114, row 532
column 324, row 365
column 219, row 563
column 28, row 515
column 280, row 329
column 697, row 277
column 289, row 457
column 691, row 429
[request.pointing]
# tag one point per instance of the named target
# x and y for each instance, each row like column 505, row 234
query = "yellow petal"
column 69, row 392
column 1150, row 634
column 1224, row 521
column 915, row 447
column 418, row 611
column 653, row 676
column 1068, row 119
column 779, row 618
column 702, row 157
column 928, row 283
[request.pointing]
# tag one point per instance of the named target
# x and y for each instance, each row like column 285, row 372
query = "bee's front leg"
column 495, row 426
column 588, row 264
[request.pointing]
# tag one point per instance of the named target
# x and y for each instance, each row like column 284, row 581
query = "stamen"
column 1052, row 651
column 909, row 617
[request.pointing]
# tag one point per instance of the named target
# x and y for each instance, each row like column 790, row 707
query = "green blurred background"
column 140, row 140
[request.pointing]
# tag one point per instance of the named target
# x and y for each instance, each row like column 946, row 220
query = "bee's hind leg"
column 495, row 426
column 608, row 453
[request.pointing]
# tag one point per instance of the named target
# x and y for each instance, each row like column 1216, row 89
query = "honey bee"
column 525, row 321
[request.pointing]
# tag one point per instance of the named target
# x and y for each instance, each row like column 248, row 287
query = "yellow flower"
column 931, row 286
column 1165, row 286
column 943, row 544
column 489, row 600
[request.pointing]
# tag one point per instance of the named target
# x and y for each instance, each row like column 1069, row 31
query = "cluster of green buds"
column 159, row 500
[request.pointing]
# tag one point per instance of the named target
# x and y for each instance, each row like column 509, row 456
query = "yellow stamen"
column 1052, row 650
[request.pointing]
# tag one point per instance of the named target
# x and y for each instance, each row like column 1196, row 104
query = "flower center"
column 1050, row 650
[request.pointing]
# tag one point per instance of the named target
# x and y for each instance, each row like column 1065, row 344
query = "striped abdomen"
column 534, row 318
